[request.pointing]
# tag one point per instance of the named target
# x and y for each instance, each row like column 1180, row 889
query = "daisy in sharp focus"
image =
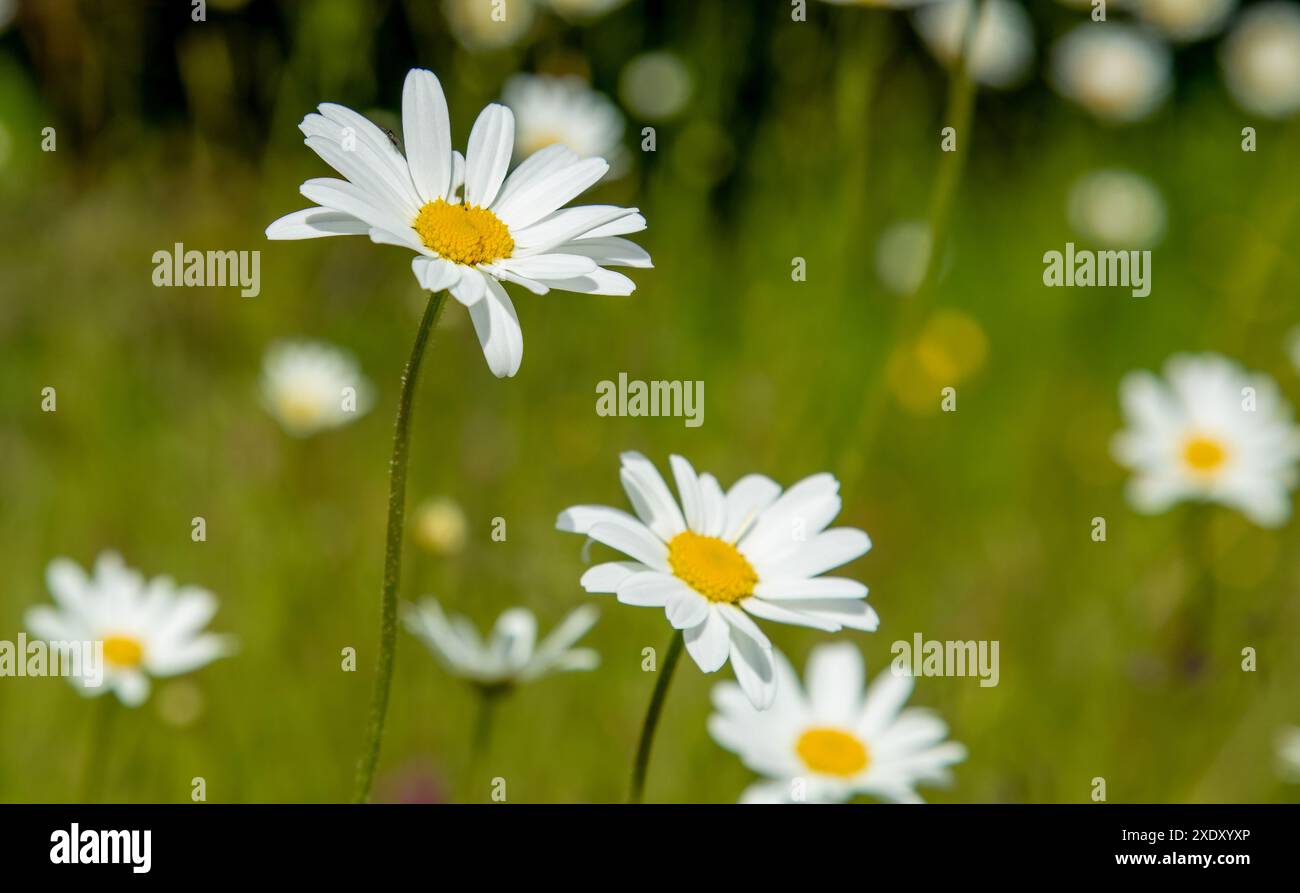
column 511, row 654
column 726, row 557
column 565, row 111
column 471, row 226
column 311, row 386
column 149, row 628
column 834, row 739
column 1208, row 431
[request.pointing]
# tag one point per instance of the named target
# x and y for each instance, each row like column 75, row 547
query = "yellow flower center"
column 123, row 651
column 712, row 567
column 1204, row 455
column 299, row 409
column 463, row 234
column 832, row 752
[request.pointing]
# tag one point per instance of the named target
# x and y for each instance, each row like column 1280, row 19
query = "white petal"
column 341, row 195
column 821, row 553
column 606, row 577
column 686, row 608
column 814, row 588
column 746, row 501
column 545, row 194
column 609, row 252
column 785, row 614
column 688, row 488
column 535, row 167
column 709, row 643
column 549, row 266
column 598, row 282
column 316, row 223
column 426, row 129
column 650, row 589
column 581, row 518
column 752, row 664
column 487, row 157
column 470, row 288
column 363, row 173
column 847, row 612
column 650, row 498
column 632, row 539
column 888, row 693
column 834, row 681
column 434, row 273
column 570, row 223
column 498, row 330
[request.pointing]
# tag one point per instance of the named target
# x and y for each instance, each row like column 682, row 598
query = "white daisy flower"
column 311, row 386
column 1186, row 20
column 480, row 25
column 832, row 741
column 511, row 654
column 584, row 9
column 1117, row 209
column 149, row 628
column 1261, row 59
column 724, row 556
column 1004, row 38
column 1211, row 432
column 470, row 224
column 1117, row 72
column 564, row 111
column 1288, row 754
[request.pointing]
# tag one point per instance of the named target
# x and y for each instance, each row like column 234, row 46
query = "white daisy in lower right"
column 836, row 738
column 1210, row 432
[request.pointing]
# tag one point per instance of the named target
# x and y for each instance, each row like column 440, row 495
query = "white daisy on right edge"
column 564, row 110
column 1209, row 432
column 837, row 738
column 725, row 557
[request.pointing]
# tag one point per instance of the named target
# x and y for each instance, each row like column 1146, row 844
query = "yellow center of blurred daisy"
column 463, row 234
column 832, row 752
column 123, row 651
column 1204, row 455
column 712, row 567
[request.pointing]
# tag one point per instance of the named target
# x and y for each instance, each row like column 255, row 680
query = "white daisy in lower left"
column 725, row 557
column 149, row 628
column 835, row 738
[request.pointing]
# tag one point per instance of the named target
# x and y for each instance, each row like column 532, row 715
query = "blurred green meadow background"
column 795, row 139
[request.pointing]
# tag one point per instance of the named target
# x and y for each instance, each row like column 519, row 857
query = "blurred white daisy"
column 1117, row 209
column 311, row 386
column 149, row 628
column 903, row 254
column 1186, row 20
column 655, row 85
column 722, row 557
column 489, row 24
column 1117, row 72
column 1288, row 754
column 1004, row 38
column 1209, row 431
column 470, row 224
column 1261, row 59
column 510, row 655
column 563, row 111
column 584, row 9
column 836, row 738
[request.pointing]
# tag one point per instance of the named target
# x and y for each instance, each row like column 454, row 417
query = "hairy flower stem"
column 652, row 717
column 393, row 550
column 959, row 115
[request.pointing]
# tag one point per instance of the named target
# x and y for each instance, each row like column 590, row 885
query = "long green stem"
column 652, row 717
column 393, row 550
column 97, row 747
column 959, row 115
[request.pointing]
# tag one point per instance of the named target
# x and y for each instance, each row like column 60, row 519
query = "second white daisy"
column 1211, row 432
column 725, row 557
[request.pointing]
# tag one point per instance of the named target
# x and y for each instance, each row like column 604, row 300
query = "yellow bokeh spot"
column 832, row 752
column 124, row 652
column 1204, row 455
column 712, row 567
column 463, row 234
